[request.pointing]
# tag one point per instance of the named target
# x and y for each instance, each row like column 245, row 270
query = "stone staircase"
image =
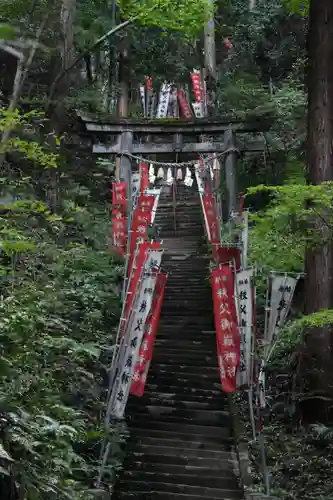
column 180, row 429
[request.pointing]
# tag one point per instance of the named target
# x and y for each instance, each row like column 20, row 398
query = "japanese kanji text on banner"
column 227, row 335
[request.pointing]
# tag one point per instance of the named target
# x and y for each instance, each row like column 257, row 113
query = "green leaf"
column 4, row 455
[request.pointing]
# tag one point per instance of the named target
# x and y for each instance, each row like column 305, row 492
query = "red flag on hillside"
column 119, row 235
column 211, row 218
column 146, row 203
column 144, row 176
column 227, row 334
column 184, row 105
column 119, row 193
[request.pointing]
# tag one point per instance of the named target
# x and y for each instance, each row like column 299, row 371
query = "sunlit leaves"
column 32, row 150
column 298, row 6
column 286, row 227
column 187, row 16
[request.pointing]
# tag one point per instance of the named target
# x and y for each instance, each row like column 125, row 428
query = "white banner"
column 244, row 311
column 156, row 193
column 261, row 396
column 135, row 185
column 150, row 103
column 134, row 334
column 170, row 178
column 174, row 103
column 143, row 99
column 200, row 182
column 163, row 102
column 281, row 295
column 188, row 181
column 198, row 109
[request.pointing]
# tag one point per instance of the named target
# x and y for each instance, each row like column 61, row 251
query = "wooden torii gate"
column 126, row 137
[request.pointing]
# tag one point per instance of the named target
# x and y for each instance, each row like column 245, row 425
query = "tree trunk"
column 124, row 79
column 319, row 260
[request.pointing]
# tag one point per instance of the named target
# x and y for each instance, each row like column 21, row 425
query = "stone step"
column 191, row 379
column 173, row 359
column 170, row 231
column 182, row 388
column 203, row 322
column 184, row 458
column 204, row 478
column 185, row 369
column 182, row 226
column 195, row 345
column 179, row 444
column 212, row 391
column 177, row 401
column 172, row 334
column 156, row 495
column 180, row 415
column 178, row 313
column 192, row 428
column 207, row 358
column 189, row 438
column 201, row 491
column 198, row 333
column 181, row 451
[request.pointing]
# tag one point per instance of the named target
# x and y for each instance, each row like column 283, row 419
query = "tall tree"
column 319, row 260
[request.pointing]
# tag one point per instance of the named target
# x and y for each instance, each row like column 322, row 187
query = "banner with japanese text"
column 146, row 203
column 173, row 104
column 244, row 310
column 147, row 345
column 118, row 213
column 140, row 258
column 143, row 99
column 119, row 235
column 213, row 228
column 129, row 351
column 282, row 290
column 136, row 180
column 119, row 193
column 224, row 255
column 144, row 174
column 140, row 223
column 227, row 334
column 163, row 103
column 185, row 110
column 198, row 105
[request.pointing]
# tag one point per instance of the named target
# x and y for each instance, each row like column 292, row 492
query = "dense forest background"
column 60, row 304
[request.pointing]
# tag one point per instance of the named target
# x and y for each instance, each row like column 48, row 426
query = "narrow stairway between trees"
column 180, row 432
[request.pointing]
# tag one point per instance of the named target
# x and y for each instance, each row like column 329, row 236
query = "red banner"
column 226, row 255
column 146, row 203
column 227, row 334
column 147, row 345
column 184, row 105
column 119, row 234
column 139, row 261
column 211, row 217
column 197, row 86
column 144, row 177
column 118, row 213
column 149, row 83
column 119, row 193
column 140, row 222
